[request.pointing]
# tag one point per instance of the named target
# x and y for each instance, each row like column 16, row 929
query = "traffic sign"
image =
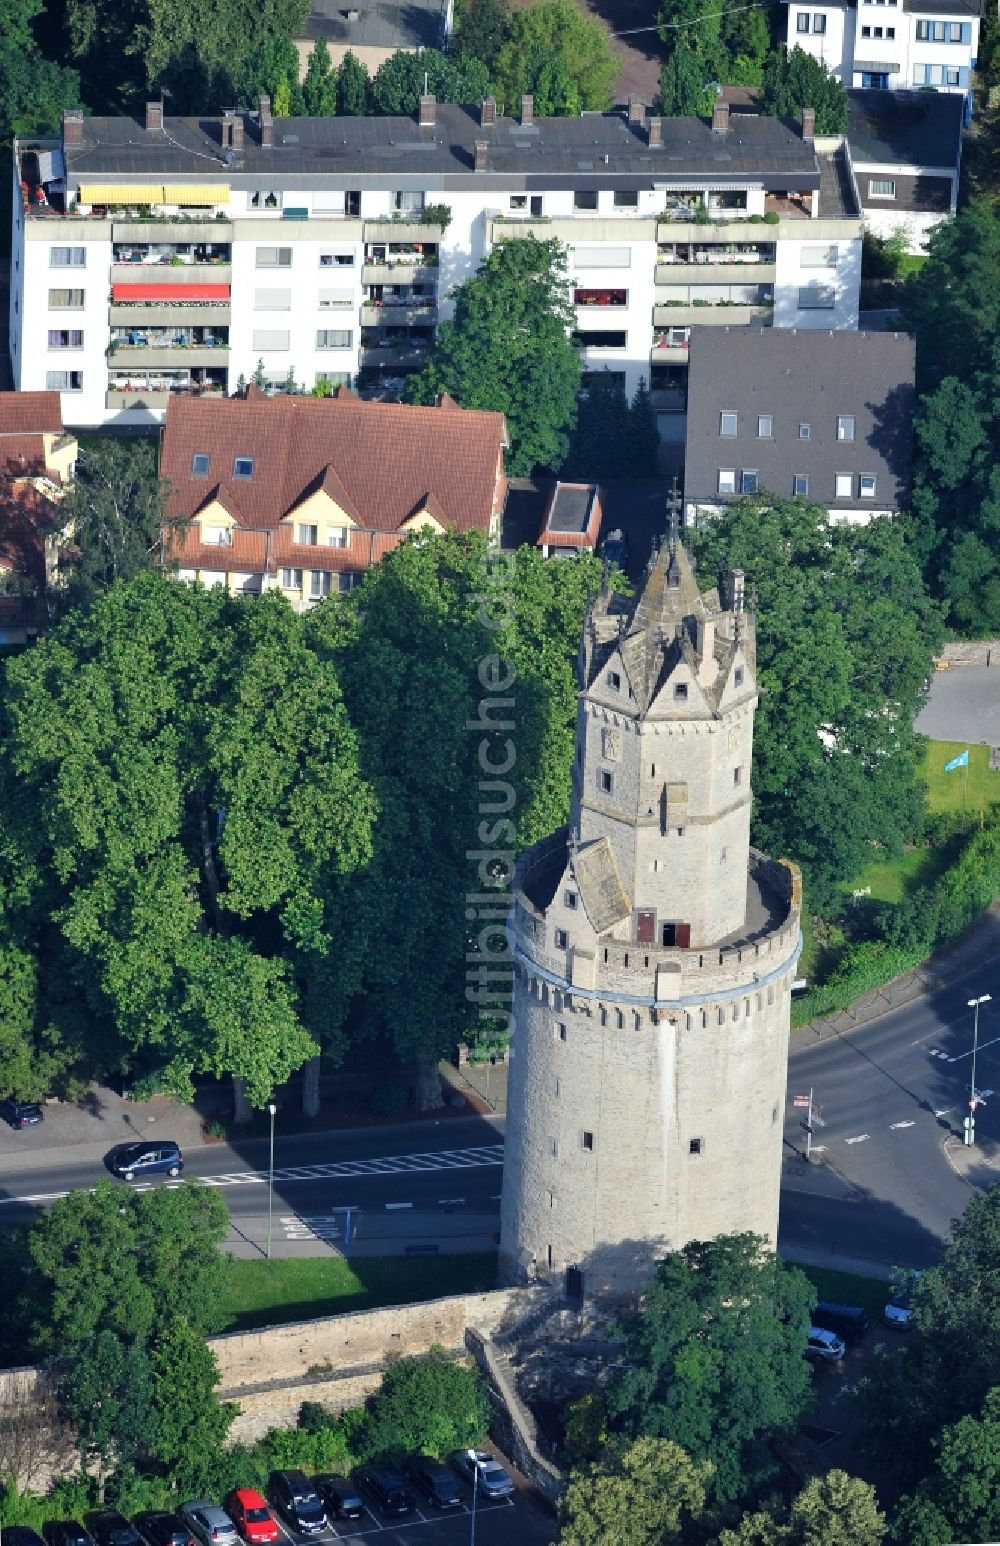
column 800, row 1100
column 805, row 1126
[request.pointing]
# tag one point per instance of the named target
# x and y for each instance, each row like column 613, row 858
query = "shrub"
column 425, row 1405
column 390, row 1100
column 586, row 1428
column 772, row 217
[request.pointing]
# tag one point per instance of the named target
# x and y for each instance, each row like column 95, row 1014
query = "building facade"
column 906, row 148
column 179, row 256
column 654, row 953
column 764, row 413
column 890, row 45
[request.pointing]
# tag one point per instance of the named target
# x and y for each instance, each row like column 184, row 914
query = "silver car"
column 484, row 1472
column 211, row 1524
column 824, row 1346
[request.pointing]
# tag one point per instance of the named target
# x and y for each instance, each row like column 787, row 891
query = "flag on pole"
column 961, row 761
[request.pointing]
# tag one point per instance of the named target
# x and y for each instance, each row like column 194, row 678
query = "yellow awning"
column 121, row 193
column 179, row 193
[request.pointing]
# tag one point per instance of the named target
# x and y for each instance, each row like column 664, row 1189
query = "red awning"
column 170, row 292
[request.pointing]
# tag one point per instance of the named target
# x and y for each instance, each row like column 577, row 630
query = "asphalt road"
column 890, row 1094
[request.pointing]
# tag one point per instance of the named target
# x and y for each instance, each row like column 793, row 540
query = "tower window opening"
column 607, row 781
column 694, row 1145
column 737, row 776
column 552, row 1199
column 562, row 939
column 645, row 960
column 619, row 1020
column 558, row 1087
column 548, row 1253
column 553, row 1148
column 652, row 770
column 571, row 899
column 561, row 1031
column 626, row 958
column 614, row 678
column 722, row 860
column 680, row 689
column 738, row 676
column 588, row 1142
column 680, row 831
column 605, row 955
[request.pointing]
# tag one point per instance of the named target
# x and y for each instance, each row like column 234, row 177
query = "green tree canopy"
column 509, row 349
column 482, row 27
column 794, row 80
column 106, row 1391
column 551, row 31
column 639, row 1494
column 184, row 793
column 692, row 33
column 126, row 1263
column 951, row 1360
column 190, row 1423
column 353, row 87
column 426, row 1406
column 845, row 642
column 33, row 90
column 319, row 86
column 714, row 1359
column 613, row 437
column 959, row 1500
column 398, row 83
column 831, row 1510
column 115, row 509
column 203, row 51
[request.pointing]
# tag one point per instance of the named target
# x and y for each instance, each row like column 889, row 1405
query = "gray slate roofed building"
column 382, row 24
column 551, row 152
column 828, row 416
column 905, row 128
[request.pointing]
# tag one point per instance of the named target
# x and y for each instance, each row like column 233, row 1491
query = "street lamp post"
column 970, row 1122
column 271, row 1109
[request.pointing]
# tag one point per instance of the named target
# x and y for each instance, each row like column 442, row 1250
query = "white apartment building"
column 890, row 45
column 183, row 255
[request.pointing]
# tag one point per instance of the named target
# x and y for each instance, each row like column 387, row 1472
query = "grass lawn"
column 262, row 1293
column 892, row 879
column 872, row 1294
column 946, row 791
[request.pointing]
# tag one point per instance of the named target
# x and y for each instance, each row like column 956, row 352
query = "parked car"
column 824, row 1346
column 299, row 1501
column 66, row 1532
column 387, row 1487
column 21, row 1535
column 615, row 548
column 210, row 1524
column 109, row 1528
column 433, row 1481
column 132, row 1161
column 251, row 1516
column 18, row 1114
column 898, row 1313
column 162, row 1529
column 848, row 1321
column 483, row 1471
column 342, row 1498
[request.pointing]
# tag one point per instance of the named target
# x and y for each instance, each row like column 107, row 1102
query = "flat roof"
column 378, row 23
column 571, row 507
column 552, row 152
column 905, row 128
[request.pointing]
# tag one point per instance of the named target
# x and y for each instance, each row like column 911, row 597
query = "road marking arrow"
column 863, row 1138
column 894, row 1125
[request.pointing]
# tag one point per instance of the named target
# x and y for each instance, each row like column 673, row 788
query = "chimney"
column 428, row 111
column 154, row 115
column 72, row 127
column 266, row 123
column 481, row 148
column 655, row 131
column 488, row 112
column 527, row 110
column 808, row 123
column 636, row 110
column 720, row 118
column 232, row 131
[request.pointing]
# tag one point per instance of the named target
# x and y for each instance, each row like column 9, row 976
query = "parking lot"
column 498, row 1523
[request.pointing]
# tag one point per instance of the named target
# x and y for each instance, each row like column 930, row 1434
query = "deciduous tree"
column 714, row 1359
column 115, row 511
column 426, row 1406
column 398, row 83
column 556, row 30
column 831, row 1510
column 509, row 349
column 640, row 1494
column 190, row 1424
column 794, row 80
column 481, row 29
column 353, row 87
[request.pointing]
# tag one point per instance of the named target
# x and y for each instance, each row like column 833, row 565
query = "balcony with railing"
column 685, row 262
column 151, row 389
column 175, row 255
column 714, row 305
column 670, row 346
column 170, row 346
column 399, row 263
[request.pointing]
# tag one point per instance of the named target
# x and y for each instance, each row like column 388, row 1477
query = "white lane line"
column 450, row 1202
column 961, row 1056
column 893, row 1126
column 395, row 1205
column 862, row 1139
column 945, row 1110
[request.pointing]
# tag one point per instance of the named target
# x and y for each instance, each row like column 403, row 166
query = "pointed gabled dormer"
column 664, row 739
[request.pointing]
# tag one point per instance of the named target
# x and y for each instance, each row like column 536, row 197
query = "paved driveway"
column 520, row 1519
column 964, row 705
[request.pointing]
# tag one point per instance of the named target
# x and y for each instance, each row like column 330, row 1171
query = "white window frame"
column 867, row 485
column 320, row 582
column 881, row 187
column 797, row 478
column 290, row 579
column 306, row 534
column 727, row 480
column 846, row 421
column 282, row 257
column 728, row 434
column 746, row 474
column 843, row 485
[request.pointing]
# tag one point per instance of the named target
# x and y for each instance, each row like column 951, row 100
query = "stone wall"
column 969, row 652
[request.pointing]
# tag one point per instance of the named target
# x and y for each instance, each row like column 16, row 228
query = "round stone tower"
column 654, row 953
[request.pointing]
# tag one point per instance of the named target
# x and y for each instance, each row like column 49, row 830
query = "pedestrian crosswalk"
column 390, row 1165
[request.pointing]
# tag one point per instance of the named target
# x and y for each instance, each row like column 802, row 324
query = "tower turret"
column 654, row 952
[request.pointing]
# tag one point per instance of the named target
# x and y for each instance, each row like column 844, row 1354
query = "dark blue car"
column 135, row 1161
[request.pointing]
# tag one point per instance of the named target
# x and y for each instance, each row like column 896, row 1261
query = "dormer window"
column 305, row 535
column 680, row 690
column 738, row 676
column 614, row 679
column 201, row 461
column 243, row 467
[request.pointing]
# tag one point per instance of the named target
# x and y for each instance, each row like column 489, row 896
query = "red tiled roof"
column 247, row 553
column 29, row 412
column 25, row 517
column 23, row 456
column 385, row 456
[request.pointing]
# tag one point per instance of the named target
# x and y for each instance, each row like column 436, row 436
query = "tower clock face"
column 612, row 745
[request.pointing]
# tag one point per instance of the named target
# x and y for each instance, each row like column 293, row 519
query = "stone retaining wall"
column 969, row 652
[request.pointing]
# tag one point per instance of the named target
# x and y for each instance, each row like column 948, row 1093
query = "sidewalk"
column 85, row 1130
column 978, row 1163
